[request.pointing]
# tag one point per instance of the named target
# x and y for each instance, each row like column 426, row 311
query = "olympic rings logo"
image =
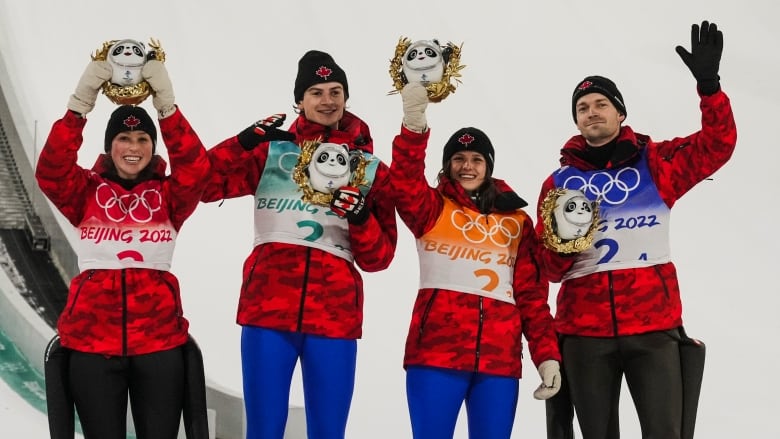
column 288, row 159
column 478, row 230
column 140, row 208
column 604, row 187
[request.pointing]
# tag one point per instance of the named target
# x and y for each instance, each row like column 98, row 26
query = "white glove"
column 415, row 99
column 155, row 73
column 550, row 371
column 82, row 101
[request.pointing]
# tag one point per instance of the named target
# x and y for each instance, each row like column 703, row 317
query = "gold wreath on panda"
column 570, row 220
column 127, row 58
column 323, row 167
column 435, row 66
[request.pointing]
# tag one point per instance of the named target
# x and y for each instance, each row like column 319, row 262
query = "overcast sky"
column 234, row 62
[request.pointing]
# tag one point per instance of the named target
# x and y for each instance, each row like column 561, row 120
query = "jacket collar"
column 628, row 146
column 352, row 131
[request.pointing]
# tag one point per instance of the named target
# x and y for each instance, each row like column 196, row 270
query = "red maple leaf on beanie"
column 323, row 72
column 585, row 84
column 466, row 139
column 131, row 122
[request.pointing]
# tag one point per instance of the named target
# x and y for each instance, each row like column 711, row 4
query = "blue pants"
column 435, row 395
column 268, row 360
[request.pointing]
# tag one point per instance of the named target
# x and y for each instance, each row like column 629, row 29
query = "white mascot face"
column 329, row 167
column 127, row 58
column 423, row 62
column 573, row 215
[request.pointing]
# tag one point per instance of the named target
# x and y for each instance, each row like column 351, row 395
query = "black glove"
column 349, row 202
column 704, row 58
column 264, row 130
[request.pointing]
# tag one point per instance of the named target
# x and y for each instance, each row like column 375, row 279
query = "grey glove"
column 415, row 100
column 82, row 101
column 155, row 73
column 550, row 371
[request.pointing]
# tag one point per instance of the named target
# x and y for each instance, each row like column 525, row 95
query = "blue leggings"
column 435, row 395
column 268, row 360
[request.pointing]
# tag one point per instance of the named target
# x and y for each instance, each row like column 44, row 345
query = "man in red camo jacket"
column 619, row 312
column 302, row 293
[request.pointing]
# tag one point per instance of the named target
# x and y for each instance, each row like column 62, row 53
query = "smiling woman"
column 480, row 289
column 133, row 141
column 128, row 213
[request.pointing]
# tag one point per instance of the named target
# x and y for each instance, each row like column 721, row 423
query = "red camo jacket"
column 462, row 331
column 294, row 288
column 638, row 300
column 130, row 311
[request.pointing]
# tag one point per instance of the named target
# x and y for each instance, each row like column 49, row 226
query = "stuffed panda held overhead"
column 127, row 58
column 423, row 62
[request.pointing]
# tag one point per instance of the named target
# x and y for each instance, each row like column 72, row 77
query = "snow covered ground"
column 235, row 62
column 18, row 418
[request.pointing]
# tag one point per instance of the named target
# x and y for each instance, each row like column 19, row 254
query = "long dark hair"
column 484, row 197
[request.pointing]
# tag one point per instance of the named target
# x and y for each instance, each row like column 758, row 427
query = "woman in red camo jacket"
column 481, row 289
column 123, row 331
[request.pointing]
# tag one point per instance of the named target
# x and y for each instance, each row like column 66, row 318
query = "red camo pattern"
column 302, row 289
column 95, row 320
column 640, row 300
column 131, row 311
column 454, row 330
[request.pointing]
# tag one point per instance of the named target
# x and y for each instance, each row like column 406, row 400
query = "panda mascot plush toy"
column 573, row 215
column 424, row 62
column 127, row 58
column 329, row 168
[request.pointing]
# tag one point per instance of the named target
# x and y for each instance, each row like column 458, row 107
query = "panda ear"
column 354, row 160
column 446, row 52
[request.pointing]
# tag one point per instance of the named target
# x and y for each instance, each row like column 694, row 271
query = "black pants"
column 155, row 383
column 560, row 415
column 595, row 367
column 59, row 400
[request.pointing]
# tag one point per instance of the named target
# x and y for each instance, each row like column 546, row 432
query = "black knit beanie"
column 316, row 67
column 597, row 84
column 470, row 139
column 130, row 118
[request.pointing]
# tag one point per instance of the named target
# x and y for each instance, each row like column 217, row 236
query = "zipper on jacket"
column 536, row 266
column 177, row 306
column 670, row 156
column 124, row 312
column 78, row 291
column 479, row 334
column 612, row 304
column 424, row 318
column 249, row 275
column 357, row 290
column 303, row 288
column 657, row 269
